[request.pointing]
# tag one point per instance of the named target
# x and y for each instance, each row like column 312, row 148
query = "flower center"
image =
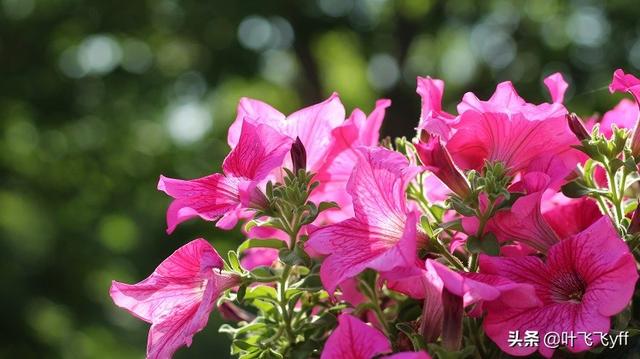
column 567, row 287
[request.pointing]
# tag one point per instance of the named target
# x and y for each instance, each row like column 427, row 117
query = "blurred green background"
column 97, row 98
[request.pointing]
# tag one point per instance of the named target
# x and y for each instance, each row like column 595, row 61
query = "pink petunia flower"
column 622, row 82
column 313, row 125
column 382, row 235
column 432, row 118
column 227, row 196
column 541, row 217
column 353, row 339
column 177, row 297
column 557, row 87
column 524, row 222
column 358, row 130
column 505, row 128
column 473, row 288
column 584, row 281
column 435, row 157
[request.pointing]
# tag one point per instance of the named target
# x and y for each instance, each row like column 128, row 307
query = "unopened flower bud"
column 577, row 127
column 298, row 156
column 437, row 159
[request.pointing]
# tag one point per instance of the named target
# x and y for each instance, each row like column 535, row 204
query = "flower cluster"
column 505, row 217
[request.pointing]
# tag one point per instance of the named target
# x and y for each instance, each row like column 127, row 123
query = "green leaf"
column 474, row 245
column 488, row 244
column 234, row 262
column 261, row 291
column 575, row 189
column 296, row 257
column 323, row 206
column 311, row 283
column 240, row 294
column 261, row 243
column 243, row 345
column 460, row 207
column 262, row 272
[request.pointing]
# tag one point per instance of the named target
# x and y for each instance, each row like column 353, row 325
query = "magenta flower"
column 542, row 217
column 624, row 115
column 473, row 288
column 382, row 235
column 177, row 297
column 358, row 130
column 557, row 87
column 432, row 118
column 226, row 197
column 569, row 216
column 313, row 125
column 505, row 128
column 585, row 280
column 622, row 82
column 524, row 222
column 437, row 160
column 628, row 83
column 353, row 339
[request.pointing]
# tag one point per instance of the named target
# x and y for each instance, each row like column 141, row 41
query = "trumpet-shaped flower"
column 353, row 339
column 358, row 130
column 524, row 222
column 471, row 287
column 382, row 235
column 313, row 125
column 226, row 196
column 628, row 83
column 505, row 128
column 585, row 280
column 177, row 297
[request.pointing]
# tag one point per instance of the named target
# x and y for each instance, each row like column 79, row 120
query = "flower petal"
column 256, row 112
column 557, row 86
column 209, row 197
column 313, row 125
column 260, row 149
column 432, row 118
column 177, row 297
column 353, row 339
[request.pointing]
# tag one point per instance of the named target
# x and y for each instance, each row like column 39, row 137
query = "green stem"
column 615, row 197
column 283, row 284
column 484, row 219
column 375, row 301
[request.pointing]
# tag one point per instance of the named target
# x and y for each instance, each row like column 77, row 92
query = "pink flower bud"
column 577, row 127
column 298, row 155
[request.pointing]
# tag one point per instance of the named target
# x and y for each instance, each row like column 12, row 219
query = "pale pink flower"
column 585, row 280
column 382, row 235
column 353, row 339
column 226, row 196
column 177, row 297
